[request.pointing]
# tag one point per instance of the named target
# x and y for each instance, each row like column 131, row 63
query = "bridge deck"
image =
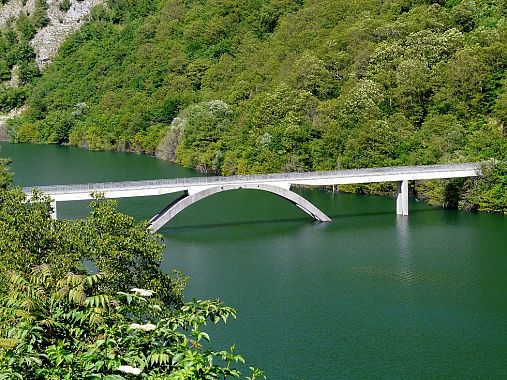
column 337, row 177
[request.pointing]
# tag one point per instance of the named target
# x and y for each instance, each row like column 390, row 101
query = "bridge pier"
column 402, row 198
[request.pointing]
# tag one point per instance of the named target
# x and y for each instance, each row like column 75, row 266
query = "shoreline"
column 348, row 189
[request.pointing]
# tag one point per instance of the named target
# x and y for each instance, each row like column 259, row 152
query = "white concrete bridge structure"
column 196, row 188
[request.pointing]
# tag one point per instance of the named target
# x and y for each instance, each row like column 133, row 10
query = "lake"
column 369, row 295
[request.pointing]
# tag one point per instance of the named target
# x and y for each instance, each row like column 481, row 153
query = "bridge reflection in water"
column 197, row 188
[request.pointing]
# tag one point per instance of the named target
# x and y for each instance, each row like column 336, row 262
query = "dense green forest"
column 253, row 86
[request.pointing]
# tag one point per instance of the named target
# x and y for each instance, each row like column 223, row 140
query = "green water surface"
column 369, row 295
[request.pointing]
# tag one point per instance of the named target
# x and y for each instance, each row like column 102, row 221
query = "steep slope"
column 12, row 8
column 31, row 33
column 258, row 86
column 61, row 23
column 61, row 17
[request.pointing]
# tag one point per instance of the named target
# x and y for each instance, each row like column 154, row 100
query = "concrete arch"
column 159, row 220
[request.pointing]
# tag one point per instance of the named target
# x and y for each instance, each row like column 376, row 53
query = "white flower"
column 145, row 327
column 142, row 292
column 129, row 369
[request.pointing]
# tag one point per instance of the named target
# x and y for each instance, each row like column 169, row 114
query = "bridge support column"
column 53, row 212
column 402, row 198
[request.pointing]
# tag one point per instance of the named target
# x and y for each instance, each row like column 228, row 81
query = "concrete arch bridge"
column 196, row 188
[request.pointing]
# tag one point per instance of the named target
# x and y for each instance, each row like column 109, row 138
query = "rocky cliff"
column 61, row 23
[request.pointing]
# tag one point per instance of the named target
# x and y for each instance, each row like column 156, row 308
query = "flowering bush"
column 66, row 329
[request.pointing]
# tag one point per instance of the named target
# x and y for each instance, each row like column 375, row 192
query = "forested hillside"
column 31, row 32
column 18, row 68
column 253, row 86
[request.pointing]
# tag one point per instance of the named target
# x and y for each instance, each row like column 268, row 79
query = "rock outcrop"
column 48, row 39
column 4, row 136
column 3, row 128
column 13, row 8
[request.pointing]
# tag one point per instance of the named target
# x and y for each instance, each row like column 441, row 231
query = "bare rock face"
column 3, row 128
column 13, row 8
column 4, row 136
column 47, row 40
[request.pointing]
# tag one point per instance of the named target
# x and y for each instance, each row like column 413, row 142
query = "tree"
column 66, row 328
column 5, row 71
column 25, row 26
column 12, row 98
column 126, row 251
column 40, row 14
column 500, row 109
column 24, row 52
column 31, row 237
column 5, row 174
column 310, row 74
column 441, row 138
column 166, row 150
column 375, row 145
column 488, row 192
column 200, row 142
column 464, row 15
column 413, row 77
column 64, row 5
column 28, row 71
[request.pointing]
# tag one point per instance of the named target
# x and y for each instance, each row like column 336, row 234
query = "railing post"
column 402, row 198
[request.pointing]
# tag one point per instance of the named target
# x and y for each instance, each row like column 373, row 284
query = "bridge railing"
column 282, row 177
